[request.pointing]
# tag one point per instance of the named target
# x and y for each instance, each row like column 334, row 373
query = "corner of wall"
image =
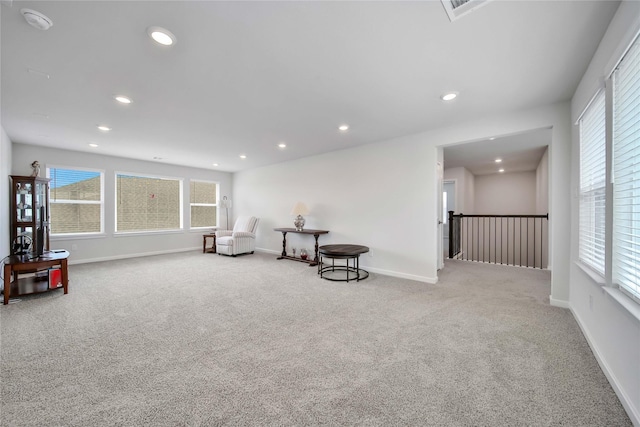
column 5, row 171
column 470, row 186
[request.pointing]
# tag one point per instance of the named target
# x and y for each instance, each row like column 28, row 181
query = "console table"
column 314, row 233
column 24, row 263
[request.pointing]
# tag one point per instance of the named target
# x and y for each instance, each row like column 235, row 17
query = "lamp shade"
column 225, row 203
column 300, row 209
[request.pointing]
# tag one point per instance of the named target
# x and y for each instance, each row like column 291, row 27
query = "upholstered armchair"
column 240, row 240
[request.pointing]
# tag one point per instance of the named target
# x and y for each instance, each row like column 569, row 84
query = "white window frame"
column 216, row 205
column 618, row 205
column 593, row 157
column 625, row 174
column 146, row 232
column 58, row 236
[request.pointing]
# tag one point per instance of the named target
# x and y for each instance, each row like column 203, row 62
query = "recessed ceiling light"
column 161, row 35
column 123, row 99
column 242, row 156
column 215, row 164
column 449, row 96
column 36, row 19
column 343, row 128
column 93, row 145
column 104, row 128
column 282, row 145
column 498, row 160
column 492, row 138
column 500, row 170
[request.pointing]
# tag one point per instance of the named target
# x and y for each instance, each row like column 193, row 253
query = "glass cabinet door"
column 24, row 202
column 29, row 213
column 40, row 208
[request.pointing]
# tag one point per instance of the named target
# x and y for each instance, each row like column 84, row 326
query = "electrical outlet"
column 74, row 247
column 371, row 253
column 591, row 302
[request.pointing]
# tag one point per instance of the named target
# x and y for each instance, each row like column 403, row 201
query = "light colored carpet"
column 200, row 339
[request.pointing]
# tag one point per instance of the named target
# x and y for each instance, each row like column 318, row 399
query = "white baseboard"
column 633, row 414
column 268, row 251
column 430, row 280
column 425, row 279
column 558, row 302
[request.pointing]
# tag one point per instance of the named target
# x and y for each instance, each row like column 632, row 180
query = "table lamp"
column 299, row 209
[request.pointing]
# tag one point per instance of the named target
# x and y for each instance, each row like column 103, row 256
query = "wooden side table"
column 204, row 243
column 24, row 263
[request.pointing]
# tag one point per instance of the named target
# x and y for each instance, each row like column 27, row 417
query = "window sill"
column 595, row 276
column 145, row 233
column 79, row 236
column 626, row 302
column 203, row 229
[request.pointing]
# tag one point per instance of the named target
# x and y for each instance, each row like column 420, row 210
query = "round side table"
column 350, row 253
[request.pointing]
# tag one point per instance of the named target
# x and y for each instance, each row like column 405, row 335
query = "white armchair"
column 240, row 240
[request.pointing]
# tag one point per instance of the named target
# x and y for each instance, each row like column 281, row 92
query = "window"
column 147, row 203
column 626, row 173
column 76, row 200
column 610, row 138
column 591, row 240
column 203, row 197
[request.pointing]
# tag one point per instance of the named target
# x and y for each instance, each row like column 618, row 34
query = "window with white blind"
column 204, row 210
column 626, row 173
column 148, row 203
column 591, row 240
column 76, row 201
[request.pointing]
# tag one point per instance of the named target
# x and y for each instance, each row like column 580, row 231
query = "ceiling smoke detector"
column 36, row 19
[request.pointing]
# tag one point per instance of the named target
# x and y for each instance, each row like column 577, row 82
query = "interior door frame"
column 455, row 196
column 439, row 179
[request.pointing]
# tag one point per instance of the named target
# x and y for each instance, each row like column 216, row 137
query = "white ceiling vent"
column 456, row 8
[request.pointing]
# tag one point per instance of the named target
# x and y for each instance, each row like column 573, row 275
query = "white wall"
column 5, row 171
column 384, row 195
column 612, row 330
column 470, row 196
column 110, row 245
column 542, row 198
column 370, row 196
column 506, row 193
column 465, row 188
column 542, row 184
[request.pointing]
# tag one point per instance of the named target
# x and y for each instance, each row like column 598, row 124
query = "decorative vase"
column 299, row 223
column 303, row 253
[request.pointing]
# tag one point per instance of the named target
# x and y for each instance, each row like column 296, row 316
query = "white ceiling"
column 519, row 153
column 244, row 76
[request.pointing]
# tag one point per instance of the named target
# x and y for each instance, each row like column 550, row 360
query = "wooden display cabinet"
column 29, row 210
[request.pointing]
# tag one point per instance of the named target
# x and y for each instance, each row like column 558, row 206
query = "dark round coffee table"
column 346, row 252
